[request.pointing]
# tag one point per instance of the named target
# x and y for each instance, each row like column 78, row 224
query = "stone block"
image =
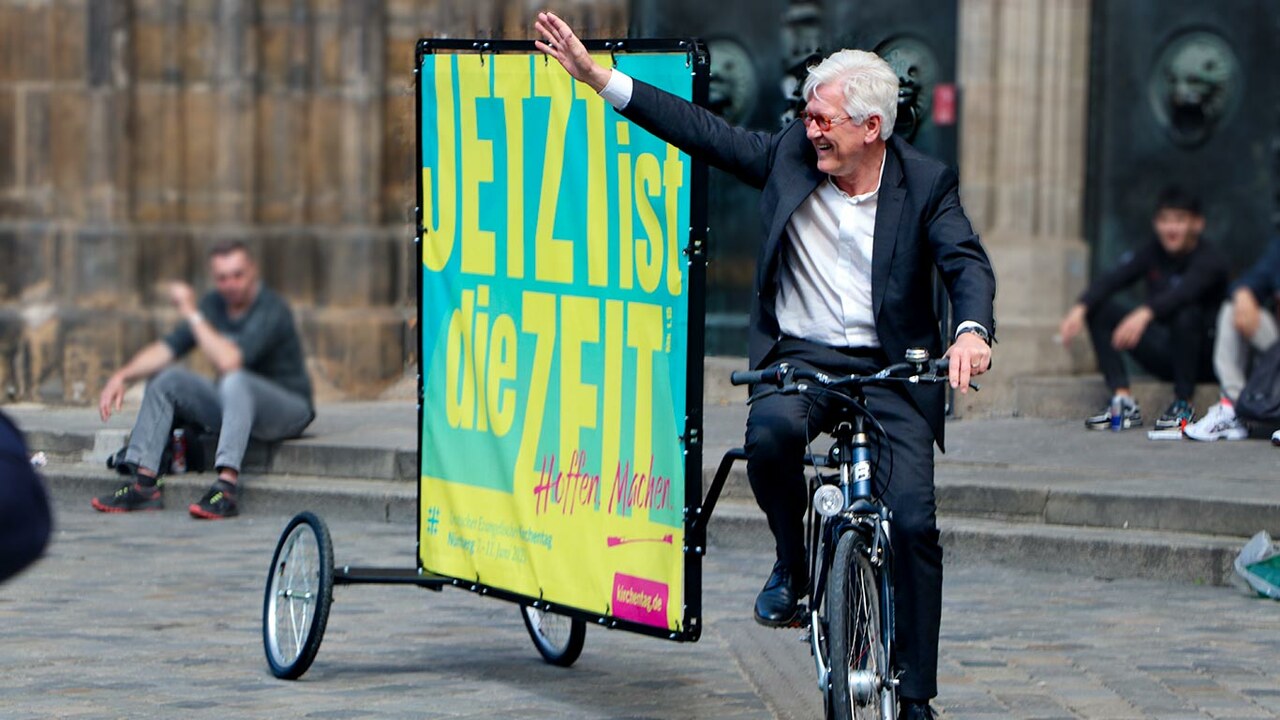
column 10, row 43
column 398, row 56
column 8, row 137
column 29, row 254
column 34, row 171
column 328, row 58
column 100, row 269
column 275, row 56
column 68, row 53
column 281, row 189
column 198, row 148
column 359, row 270
column 35, row 43
column 68, row 128
column 324, row 143
column 399, row 159
column 290, row 263
column 154, row 137
column 361, row 352
column 199, row 48
column 90, row 352
column 153, row 60
column 38, row 361
column 165, row 255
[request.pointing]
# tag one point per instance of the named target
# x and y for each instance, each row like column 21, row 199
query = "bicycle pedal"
column 801, row 619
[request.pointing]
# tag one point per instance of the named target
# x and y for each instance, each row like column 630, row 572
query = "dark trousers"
column 1177, row 349
column 777, row 433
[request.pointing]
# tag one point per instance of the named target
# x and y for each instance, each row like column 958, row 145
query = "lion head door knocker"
column 917, row 70
column 1194, row 85
column 733, row 89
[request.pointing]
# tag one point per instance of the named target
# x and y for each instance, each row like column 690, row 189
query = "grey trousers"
column 1231, row 349
column 238, row 406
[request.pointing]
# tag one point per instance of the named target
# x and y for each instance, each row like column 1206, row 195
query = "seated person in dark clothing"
column 262, row 391
column 24, row 508
column 1246, row 326
column 1170, row 333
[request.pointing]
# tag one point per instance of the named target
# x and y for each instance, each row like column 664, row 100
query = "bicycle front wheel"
column 858, row 651
column 295, row 606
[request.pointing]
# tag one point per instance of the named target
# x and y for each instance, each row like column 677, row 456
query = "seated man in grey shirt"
column 263, row 391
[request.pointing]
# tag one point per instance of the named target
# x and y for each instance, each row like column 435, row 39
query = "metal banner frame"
column 695, row 253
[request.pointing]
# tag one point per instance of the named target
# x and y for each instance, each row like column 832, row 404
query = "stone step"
column 1075, row 397
column 1061, row 497
column 738, row 523
column 1094, row 552
column 271, row 495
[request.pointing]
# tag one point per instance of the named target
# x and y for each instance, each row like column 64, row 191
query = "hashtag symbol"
column 433, row 520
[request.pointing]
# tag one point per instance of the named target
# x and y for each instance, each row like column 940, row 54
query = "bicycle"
column 849, row 620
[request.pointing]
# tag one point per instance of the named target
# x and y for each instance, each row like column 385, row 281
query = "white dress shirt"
column 824, row 288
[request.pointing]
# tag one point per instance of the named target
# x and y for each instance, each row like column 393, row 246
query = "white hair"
column 869, row 86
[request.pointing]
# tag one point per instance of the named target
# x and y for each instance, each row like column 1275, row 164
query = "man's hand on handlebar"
column 970, row 356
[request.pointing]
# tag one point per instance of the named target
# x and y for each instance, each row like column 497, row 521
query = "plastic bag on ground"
column 1258, row 565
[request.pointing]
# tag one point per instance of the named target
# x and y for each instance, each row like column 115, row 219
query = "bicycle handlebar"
column 782, row 375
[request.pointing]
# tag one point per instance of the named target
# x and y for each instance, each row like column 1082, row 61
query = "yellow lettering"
column 502, row 368
column 437, row 240
column 511, row 83
column 597, row 186
column 480, row 342
column 649, row 250
column 579, row 323
column 477, row 167
column 644, row 334
column 459, row 376
column 538, row 317
column 553, row 259
column 611, row 421
column 626, row 251
column 672, row 179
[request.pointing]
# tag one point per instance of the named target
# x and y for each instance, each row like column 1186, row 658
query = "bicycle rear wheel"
column 558, row 638
column 858, row 656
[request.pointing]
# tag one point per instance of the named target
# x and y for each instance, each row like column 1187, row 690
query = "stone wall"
column 136, row 133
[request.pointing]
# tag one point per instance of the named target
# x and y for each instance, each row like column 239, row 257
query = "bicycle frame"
column 863, row 514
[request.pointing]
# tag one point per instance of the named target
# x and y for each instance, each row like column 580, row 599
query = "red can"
column 179, row 463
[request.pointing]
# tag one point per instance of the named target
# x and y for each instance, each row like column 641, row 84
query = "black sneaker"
column 130, row 498
column 1130, row 416
column 1179, row 415
column 218, row 503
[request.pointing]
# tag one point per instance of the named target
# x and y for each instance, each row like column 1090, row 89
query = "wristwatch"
column 976, row 330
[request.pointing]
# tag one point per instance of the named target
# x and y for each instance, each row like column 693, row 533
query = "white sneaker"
column 1219, row 423
column 1275, row 438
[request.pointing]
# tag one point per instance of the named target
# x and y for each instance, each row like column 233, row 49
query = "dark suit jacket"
column 919, row 226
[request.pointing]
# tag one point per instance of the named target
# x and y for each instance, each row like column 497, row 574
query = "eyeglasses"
column 823, row 122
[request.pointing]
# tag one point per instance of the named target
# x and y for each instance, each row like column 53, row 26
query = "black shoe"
column 913, row 710
column 1179, row 415
column 777, row 604
column 218, row 503
column 130, row 498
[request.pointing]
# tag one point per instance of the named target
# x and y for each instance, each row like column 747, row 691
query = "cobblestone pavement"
column 159, row 616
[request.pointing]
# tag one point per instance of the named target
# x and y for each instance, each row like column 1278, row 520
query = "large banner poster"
column 554, row 327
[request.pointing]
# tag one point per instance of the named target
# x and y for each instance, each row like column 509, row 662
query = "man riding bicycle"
column 855, row 221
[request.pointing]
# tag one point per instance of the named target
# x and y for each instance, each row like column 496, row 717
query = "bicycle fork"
column 847, row 507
